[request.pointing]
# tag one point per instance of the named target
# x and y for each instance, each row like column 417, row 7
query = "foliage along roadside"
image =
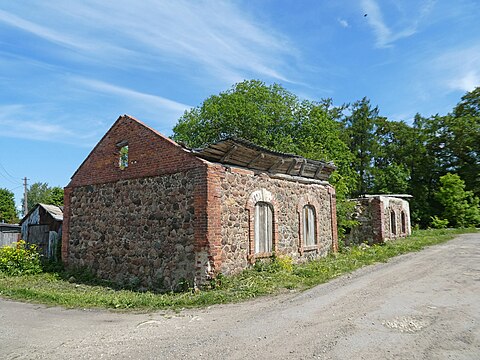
column 54, row 288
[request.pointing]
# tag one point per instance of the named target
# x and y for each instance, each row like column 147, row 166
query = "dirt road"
column 418, row 306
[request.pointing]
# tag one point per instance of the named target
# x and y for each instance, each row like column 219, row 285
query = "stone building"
column 380, row 217
column 145, row 211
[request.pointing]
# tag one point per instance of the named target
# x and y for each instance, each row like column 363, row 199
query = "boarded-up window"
column 309, row 225
column 393, row 223
column 263, row 227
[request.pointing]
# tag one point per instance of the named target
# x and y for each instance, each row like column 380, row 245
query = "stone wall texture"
column 375, row 215
column 237, row 187
column 136, row 232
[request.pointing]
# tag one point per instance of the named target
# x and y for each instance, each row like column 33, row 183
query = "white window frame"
column 309, row 226
column 263, row 228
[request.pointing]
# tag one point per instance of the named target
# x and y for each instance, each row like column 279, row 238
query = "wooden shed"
column 42, row 226
column 9, row 233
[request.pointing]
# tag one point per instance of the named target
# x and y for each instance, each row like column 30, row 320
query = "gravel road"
column 422, row 305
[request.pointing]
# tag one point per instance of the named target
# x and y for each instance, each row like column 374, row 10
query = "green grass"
column 53, row 288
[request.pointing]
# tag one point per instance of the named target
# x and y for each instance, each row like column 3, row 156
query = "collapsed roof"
column 243, row 153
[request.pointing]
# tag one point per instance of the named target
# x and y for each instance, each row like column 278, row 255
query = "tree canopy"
column 373, row 154
column 8, row 212
column 42, row 193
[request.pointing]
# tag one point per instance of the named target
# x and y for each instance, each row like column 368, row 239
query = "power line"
column 10, row 178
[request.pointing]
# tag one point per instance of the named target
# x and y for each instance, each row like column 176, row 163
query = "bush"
column 20, row 259
column 438, row 223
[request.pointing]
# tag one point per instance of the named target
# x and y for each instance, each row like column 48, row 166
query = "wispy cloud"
column 15, row 122
column 459, row 68
column 217, row 36
column 129, row 94
column 405, row 24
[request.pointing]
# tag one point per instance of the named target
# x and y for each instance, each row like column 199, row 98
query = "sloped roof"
column 55, row 212
column 240, row 152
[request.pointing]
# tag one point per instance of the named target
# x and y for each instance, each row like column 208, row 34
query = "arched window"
column 393, row 223
column 309, row 222
column 263, row 227
column 404, row 223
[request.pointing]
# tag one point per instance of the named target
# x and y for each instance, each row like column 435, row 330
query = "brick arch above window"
column 307, row 200
column 261, row 196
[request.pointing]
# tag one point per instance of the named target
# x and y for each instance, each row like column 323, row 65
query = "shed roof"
column 240, row 152
column 10, row 227
column 56, row 212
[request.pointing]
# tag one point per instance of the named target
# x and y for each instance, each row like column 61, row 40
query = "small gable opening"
column 123, row 155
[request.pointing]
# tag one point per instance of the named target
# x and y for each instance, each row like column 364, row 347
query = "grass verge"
column 52, row 289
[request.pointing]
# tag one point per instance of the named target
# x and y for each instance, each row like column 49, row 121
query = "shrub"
column 20, row 259
column 438, row 223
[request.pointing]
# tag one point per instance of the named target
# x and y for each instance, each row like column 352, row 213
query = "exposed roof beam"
column 292, row 165
column 255, row 159
column 229, row 153
column 319, row 170
column 302, row 168
column 277, row 164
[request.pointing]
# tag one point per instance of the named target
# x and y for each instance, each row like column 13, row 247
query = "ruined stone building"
column 143, row 210
column 380, row 217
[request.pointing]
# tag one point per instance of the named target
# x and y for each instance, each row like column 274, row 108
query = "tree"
column 251, row 110
column 42, row 193
column 360, row 136
column 461, row 208
column 271, row 116
column 8, row 212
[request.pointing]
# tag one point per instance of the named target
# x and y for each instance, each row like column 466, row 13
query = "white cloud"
column 459, row 68
column 216, row 37
column 26, row 122
column 344, row 23
column 404, row 26
column 129, row 94
column 13, row 123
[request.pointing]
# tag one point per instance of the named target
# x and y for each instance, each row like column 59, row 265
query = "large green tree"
column 460, row 207
column 263, row 114
column 8, row 212
column 360, row 136
column 42, row 193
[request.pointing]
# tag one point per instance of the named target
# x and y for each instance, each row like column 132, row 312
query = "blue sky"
column 69, row 68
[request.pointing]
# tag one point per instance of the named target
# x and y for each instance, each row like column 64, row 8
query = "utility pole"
column 25, row 202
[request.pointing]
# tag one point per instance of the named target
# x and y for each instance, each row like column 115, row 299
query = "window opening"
column 404, row 223
column 393, row 223
column 309, row 225
column 263, row 227
column 123, row 159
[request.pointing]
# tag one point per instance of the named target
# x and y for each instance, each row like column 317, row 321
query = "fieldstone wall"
column 135, row 232
column 374, row 215
column 396, row 207
column 238, row 185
